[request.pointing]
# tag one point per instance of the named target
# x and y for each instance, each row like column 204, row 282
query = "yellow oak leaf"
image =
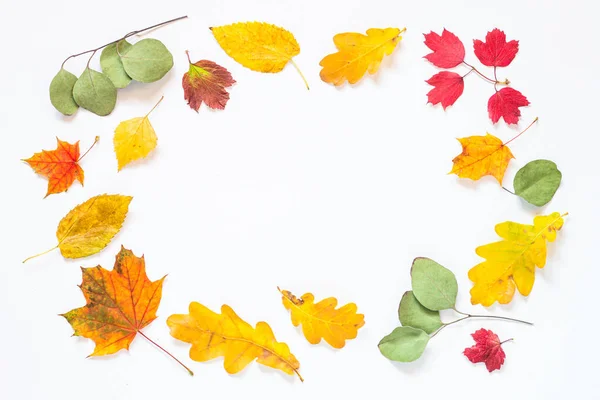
column 510, row 263
column 226, row 335
column 482, row 155
column 89, row 227
column 259, row 46
column 321, row 320
column 357, row 54
column 134, row 139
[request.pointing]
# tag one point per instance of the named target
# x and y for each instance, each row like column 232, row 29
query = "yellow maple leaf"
column 321, row 320
column 226, row 335
column 134, row 139
column 510, row 263
column 259, row 46
column 482, row 155
column 357, row 54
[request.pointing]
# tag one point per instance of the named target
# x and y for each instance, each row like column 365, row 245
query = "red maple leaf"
column 505, row 103
column 495, row 51
column 205, row 82
column 487, row 349
column 448, row 50
column 448, row 86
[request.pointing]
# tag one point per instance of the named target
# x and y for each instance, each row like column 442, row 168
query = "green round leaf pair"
column 537, row 182
column 404, row 344
column 111, row 64
column 61, row 92
column 147, row 61
column 95, row 92
column 412, row 313
column 434, row 286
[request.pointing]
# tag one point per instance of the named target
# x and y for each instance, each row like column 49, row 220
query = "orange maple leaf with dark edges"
column 60, row 166
column 206, row 82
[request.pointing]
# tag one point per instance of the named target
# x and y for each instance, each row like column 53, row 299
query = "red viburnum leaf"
column 448, row 50
column 495, row 51
column 205, row 82
column 487, row 349
column 505, row 103
column 448, row 86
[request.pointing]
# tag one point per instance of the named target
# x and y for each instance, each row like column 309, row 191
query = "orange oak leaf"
column 60, row 166
column 205, row 82
column 120, row 303
column 321, row 320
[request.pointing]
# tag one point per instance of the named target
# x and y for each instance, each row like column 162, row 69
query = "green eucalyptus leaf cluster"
column 537, row 182
column 434, row 288
column 145, row 61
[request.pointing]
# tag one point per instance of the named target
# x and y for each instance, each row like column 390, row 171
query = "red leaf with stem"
column 205, row 82
column 505, row 103
column 448, row 50
column 448, row 86
column 487, row 349
column 495, row 51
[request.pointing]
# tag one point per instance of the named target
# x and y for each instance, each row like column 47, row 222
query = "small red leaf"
column 448, row 50
column 448, row 86
column 487, row 349
column 505, row 103
column 496, row 52
column 206, row 82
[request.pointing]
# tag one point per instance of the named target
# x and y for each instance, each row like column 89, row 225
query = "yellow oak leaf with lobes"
column 482, row 155
column 510, row 263
column 226, row 335
column 357, row 54
column 321, row 320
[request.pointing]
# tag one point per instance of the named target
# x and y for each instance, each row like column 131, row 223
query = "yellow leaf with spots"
column 259, row 46
column 134, row 139
column 510, row 263
column 357, row 54
column 322, row 320
column 226, row 335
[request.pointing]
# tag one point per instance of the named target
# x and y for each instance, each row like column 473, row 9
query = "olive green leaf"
column 95, row 92
column 412, row 313
column 147, row 61
column 111, row 64
column 537, row 182
column 404, row 344
column 434, row 286
column 61, row 92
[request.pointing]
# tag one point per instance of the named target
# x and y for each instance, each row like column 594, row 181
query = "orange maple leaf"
column 120, row 303
column 60, row 166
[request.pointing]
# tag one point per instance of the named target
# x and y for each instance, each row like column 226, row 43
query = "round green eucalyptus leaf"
column 412, row 313
column 147, row 61
column 95, row 92
column 61, row 92
column 111, row 64
column 537, row 182
column 404, row 344
column 434, row 286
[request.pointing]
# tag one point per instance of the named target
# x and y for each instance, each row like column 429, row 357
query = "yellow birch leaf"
column 226, row 335
column 510, row 263
column 259, row 46
column 357, row 54
column 89, row 227
column 134, row 139
column 321, row 320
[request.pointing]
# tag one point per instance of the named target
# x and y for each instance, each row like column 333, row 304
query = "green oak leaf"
column 537, row 182
column 95, row 92
column 61, row 92
column 111, row 64
column 404, row 344
column 434, row 286
column 147, row 61
column 412, row 313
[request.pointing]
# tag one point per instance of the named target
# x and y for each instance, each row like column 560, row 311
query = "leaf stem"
column 513, row 193
column 495, row 81
column 156, row 105
column 507, row 340
column 91, row 147
column 40, row 254
column 467, row 316
column 166, row 352
column 524, row 130
column 118, row 40
column 301, row 74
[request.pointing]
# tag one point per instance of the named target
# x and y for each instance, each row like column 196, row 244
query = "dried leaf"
column 434, row 286
column 481, row 156
column 495, row 51
column 405, row 344
column 487, row 349
column 537, row 182
column 95, row 92
column 205, row 82
column 147, row 61
column 505, row 104
column 448, row 87
column 61, row 92
column 414, row 314
column 447, row 49
column 112, row 66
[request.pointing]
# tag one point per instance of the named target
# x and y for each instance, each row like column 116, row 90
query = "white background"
column 332, row 191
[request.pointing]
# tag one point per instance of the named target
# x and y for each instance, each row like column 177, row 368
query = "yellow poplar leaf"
column 357, row 54
column 134, row 139
column 321, row 320
column 226, row 335
column 510, row 263
column 259, row 46
column 482, row 155
column 89, row 227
